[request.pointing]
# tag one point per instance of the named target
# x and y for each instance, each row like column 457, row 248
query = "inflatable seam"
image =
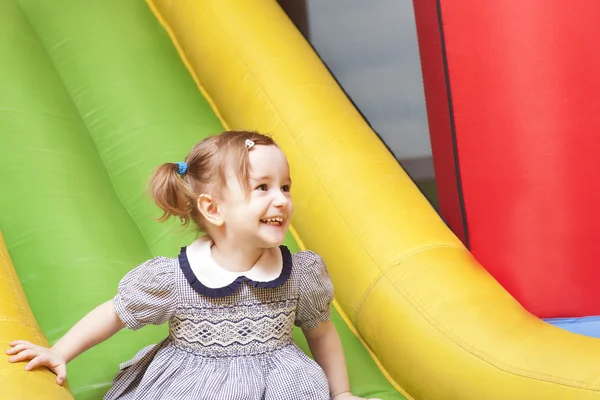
column 419, row 307
column 13, row 287
column 397, row 261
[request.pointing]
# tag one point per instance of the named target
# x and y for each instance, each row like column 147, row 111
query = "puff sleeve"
column 147, row 294
column 315, row 290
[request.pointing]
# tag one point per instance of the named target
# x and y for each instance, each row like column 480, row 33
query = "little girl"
column 231, row 297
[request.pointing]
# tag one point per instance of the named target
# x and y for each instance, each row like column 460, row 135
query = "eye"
column 262, row 187
column 286, row 188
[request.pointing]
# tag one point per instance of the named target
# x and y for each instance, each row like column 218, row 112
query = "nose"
column 280, row 200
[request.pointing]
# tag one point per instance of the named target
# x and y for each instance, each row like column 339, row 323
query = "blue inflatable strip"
column 588, row 326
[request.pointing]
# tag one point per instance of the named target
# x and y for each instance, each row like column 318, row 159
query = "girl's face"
column 260, row 218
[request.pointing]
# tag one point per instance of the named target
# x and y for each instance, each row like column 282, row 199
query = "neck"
column 233, row 257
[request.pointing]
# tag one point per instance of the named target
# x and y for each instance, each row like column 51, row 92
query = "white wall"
column 371, row 48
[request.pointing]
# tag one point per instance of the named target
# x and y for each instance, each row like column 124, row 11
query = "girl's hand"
column 39, row 356
column 349, row 396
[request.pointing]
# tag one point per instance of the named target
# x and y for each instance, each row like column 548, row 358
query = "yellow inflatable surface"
column 438, row 322
column 17, row 321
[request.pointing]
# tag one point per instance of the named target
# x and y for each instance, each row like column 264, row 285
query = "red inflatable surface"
column 513, row 98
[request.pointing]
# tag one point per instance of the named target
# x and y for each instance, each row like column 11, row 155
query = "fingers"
column 61, row 374
column 16, row 342
column 23, row 355
column 23, row 350
column 18, row 347
column 36, row 362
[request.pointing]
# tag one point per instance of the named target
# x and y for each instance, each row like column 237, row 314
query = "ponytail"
column 172, row 194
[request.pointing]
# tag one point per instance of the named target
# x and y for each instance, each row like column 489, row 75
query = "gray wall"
column 371, row 48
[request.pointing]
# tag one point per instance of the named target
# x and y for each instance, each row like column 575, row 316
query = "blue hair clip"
column 182, row 167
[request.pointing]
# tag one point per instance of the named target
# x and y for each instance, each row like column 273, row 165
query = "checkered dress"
column 232, row 343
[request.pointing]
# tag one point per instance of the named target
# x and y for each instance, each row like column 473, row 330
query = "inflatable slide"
column 95, row 94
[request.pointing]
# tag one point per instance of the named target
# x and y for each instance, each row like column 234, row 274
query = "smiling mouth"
column 277, row 221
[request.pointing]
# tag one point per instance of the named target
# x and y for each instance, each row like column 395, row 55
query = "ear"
column 209, row 209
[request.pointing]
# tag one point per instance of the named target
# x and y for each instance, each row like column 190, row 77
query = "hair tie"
column 249, row 143
column 182, row 167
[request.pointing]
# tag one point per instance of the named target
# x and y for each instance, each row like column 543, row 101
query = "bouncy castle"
column 491, row 298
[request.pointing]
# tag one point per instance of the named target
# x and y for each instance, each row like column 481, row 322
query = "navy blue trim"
column 228, row 290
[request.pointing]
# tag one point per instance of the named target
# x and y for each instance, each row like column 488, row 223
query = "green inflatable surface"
column 93, row 96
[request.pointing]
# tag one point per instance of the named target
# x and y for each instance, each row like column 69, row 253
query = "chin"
column 273, row 237
column 269, row 243
column 272, row 240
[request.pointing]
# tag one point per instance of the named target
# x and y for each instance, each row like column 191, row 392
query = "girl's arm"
column 97, row 326
column 326, row 347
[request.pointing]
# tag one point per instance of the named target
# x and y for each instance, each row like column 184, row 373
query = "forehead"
column 267, row 161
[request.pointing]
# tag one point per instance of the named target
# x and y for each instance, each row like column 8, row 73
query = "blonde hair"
column 176, row 195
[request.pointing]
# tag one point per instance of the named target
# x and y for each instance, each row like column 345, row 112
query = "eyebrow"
column 265, row 178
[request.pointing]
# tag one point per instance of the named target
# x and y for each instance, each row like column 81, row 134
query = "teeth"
column 275, row 221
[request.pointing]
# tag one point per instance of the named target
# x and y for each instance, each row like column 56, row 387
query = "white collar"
column 212, row 275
